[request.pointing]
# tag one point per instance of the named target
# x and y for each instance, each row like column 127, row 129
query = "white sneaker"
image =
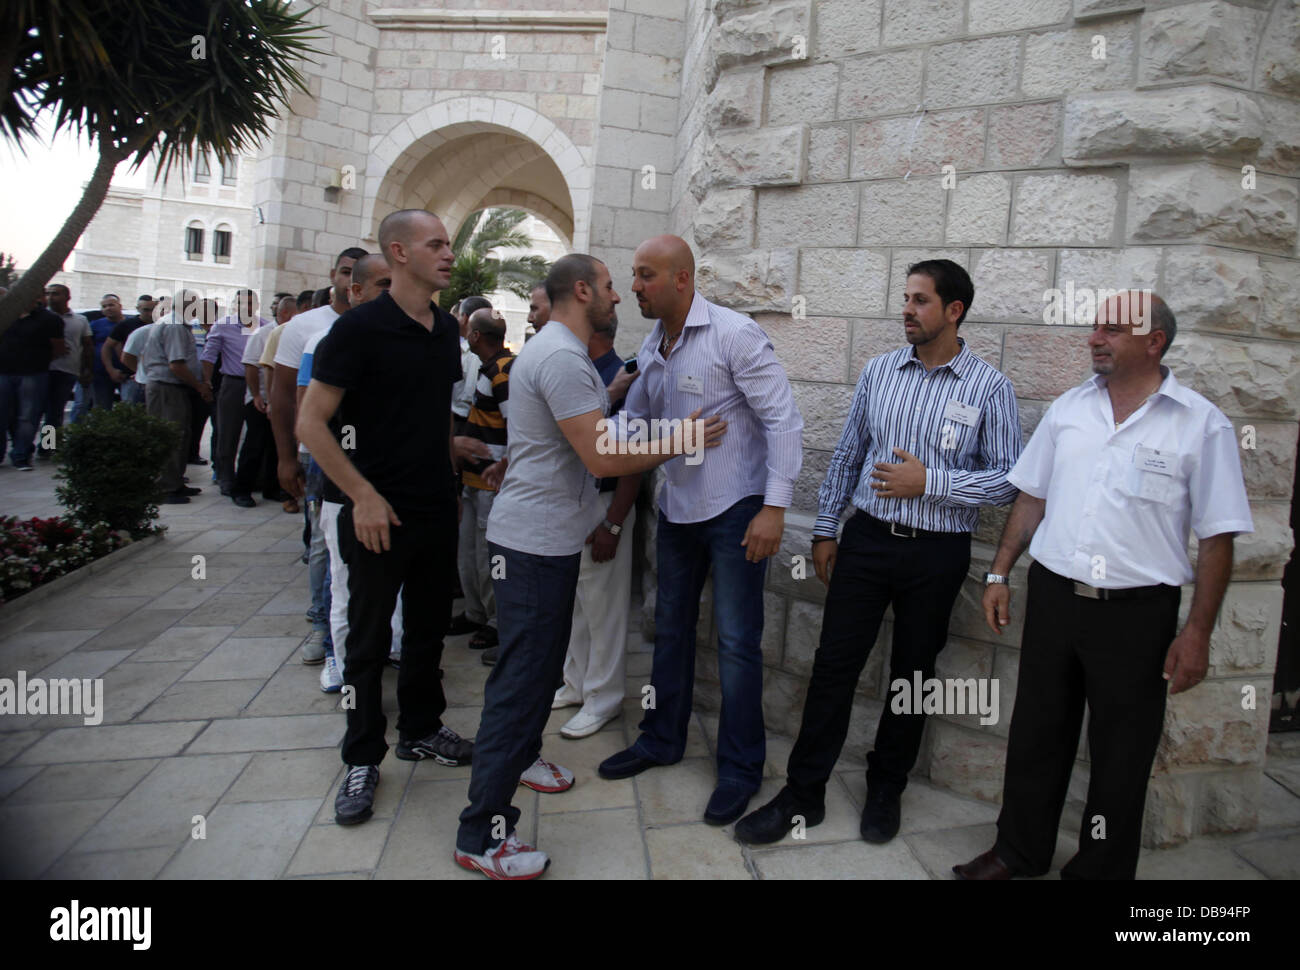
column 331, row 678
column 547, row 778
column 563, row 700
column 510, row 859
column 313, row 648
column 584, row 724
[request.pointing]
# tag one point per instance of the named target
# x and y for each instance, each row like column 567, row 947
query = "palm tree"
column 139, row 77
column 478, row 271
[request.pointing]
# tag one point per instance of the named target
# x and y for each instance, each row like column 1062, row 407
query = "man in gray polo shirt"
column 171, row 365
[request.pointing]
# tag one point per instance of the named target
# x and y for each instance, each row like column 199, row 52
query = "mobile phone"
column 629, row 365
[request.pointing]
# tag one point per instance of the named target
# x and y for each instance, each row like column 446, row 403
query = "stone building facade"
column 810, row 150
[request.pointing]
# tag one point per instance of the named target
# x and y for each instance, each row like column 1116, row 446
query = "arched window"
column 221, row 240
column 194, row 240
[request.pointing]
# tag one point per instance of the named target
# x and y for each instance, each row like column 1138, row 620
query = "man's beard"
column 602, row 319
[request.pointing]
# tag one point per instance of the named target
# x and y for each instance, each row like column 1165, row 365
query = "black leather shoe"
column 988, row 866
column 625, row 764
column 190, row 490
column 774, row 820
column 243, row 501
column 461, row 624
column 881, row 817
column 726, row 804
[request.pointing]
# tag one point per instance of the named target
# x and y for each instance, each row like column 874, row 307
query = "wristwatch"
column 993, row 579
column 611, row 528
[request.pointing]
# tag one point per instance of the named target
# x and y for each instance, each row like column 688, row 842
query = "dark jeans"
column 58, row 394
column 535, row 613
column 229, row 424
column 22, row 400
column 256, row 465
column 1111, row 654
column 416, row 560
column 172, row 403
column 685, row 553
column 921, row 578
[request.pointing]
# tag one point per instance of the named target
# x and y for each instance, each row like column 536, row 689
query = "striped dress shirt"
column 960, row 419
column 724, row 363
column 487, row 418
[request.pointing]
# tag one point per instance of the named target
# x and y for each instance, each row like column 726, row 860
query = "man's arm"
column 106, row 353
column 129, row 359
column 999, row 447
column 1189, row 655
column 842, row 476
column 604, row 544
column 593, row 439
column 1025, row 516
column 182, row 370
column 254, row 386
column 283, row 415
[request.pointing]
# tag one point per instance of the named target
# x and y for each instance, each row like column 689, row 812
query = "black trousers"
column 200, row 412
column 920, row 578
column 416, row 563
column 256, row 468
column 1109, row 654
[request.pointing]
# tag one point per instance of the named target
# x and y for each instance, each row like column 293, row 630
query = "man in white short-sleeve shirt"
column 1118, row 472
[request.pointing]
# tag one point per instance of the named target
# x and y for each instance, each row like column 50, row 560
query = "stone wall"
column 1040, row 145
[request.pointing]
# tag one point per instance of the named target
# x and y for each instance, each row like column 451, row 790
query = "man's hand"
column 371, row 518
column 1188, row 659
column 259, row 403
column 604, row 544
column 763, row 535
column 469, row 448
column 997, row 606
column 116, row 376
column 291, row 477
column 494, row 473
column 905, row 479
column 697, row 433
column 618, row 386
column 824, row 559
column 205, row 391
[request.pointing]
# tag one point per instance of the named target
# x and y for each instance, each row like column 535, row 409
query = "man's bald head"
column 669, row 252
column 488, row 323
column 663, row 278
column 366, row 267
column 402, row 226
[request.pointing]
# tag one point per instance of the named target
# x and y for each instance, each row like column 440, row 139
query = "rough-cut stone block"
column 1209, row 725
column 725, row 220
column 1092, row 9
column 801, row 94
column 811, row 476
column 769, row 156
column 1280, row 151
column 967, row 762
column 1062, row 61
column 774, row 611
column 978, row 212
column 843, row 281
column 828, row 153
column 1084, row 272
column 898, row 213
column 756, row 280
column 1009, row 285
column 968, row 660
column 1043, row 363
column 1280, row 312
column 879, row 84
column 824, row 408
column 1210, row 203
column 809, row 215
column 995, row 16
column 796, row 540
column 1229, row 803
column 1245, row 635
column 812, row 349
column 973, row 72
column 846, row 27
column 1262, row 554
column 1170, row 810
column 919, row 21
column 871, row 338
column 1278, row 66
column 736, row 101
column 1201, row 119
column 803, row 631
column 1065, row 210
column 1242, row 377
column 1192, row 39
column 1218, row 289
column 1268, row 457
column 1024, row 135
column 767, row 36
column 897, row 146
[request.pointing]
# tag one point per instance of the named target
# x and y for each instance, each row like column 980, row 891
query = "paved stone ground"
column 208, row 711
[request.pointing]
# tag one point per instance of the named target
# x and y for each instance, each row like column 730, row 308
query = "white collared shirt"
column 1120, row 502
column 724, row 363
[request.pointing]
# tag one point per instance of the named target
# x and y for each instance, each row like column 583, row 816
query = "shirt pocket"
column 1153, row 489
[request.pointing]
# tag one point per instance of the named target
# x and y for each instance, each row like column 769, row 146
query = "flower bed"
column 35, row 551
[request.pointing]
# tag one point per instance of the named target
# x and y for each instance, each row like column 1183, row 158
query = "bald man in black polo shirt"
column 388, row 367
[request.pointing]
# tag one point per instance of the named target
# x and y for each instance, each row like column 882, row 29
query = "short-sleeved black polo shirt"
column 25, row 346
column 397, row 377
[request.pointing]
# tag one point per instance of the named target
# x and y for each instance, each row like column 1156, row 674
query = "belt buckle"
column 1083, row 589
column 893, row 531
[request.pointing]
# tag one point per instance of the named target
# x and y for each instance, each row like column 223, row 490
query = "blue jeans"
column 534, row 614
column 685, row 553
column 58, row 394
column 132, row 391
column 98, row 395
column 22, row 399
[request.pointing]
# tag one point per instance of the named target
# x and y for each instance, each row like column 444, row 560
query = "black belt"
column 1097, row 593
column 907, row 531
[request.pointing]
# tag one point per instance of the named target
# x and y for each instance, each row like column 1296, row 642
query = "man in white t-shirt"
column 75, row 365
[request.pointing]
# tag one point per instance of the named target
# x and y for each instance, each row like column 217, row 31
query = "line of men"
column 1118, row 472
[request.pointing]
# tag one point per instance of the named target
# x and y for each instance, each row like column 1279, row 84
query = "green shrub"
column 110, row 462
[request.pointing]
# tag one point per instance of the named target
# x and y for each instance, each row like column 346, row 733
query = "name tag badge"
column 690, row 385
column 1153, row 460
column 967, row 415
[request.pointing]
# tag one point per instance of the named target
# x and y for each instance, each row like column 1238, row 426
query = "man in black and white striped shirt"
column 931, row 435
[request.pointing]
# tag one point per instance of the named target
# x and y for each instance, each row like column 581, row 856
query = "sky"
column 39, row 189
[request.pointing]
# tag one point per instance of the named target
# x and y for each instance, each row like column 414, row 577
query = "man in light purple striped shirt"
column 727, row 512
column 226, row 343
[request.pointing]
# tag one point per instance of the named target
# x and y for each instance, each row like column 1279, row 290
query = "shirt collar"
column 1169, row 387
column 960, row 365
column 696, row 316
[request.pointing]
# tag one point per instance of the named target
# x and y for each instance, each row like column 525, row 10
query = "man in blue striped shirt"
column 727, row 512
column 931, row 435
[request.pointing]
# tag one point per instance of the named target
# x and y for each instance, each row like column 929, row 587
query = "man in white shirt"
column 74, row 366
column 1118, row 472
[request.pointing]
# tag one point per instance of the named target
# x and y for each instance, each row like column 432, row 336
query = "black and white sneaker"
column 446, row 747
column 356, row 798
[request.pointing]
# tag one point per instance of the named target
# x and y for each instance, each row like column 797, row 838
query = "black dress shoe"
column 771, row 822
column 243, row 501
column 196, row 460
column 726, row 804
column 985, row 867
column 176, row 498
column 881, row 817
column 625, row 764
column 461, row 624
column 228, row 490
